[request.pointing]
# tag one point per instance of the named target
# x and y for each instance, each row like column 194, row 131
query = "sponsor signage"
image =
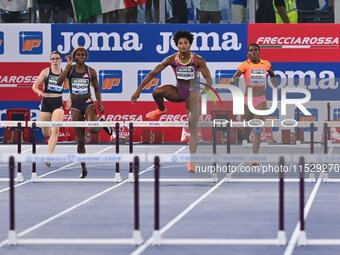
column 149, row 42
column 16, row 80
column 336, row 114
column 110, row 81
column 296, row 42
column 2, row 42
column 156, row 81
column 320, row 80
column 30, row 42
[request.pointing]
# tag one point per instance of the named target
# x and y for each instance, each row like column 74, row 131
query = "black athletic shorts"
column 81, row 104
column 49, row 104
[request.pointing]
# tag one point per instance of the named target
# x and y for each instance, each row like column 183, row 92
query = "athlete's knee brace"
column 257, row 130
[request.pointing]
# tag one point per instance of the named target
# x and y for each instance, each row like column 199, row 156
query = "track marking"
column 179, row 217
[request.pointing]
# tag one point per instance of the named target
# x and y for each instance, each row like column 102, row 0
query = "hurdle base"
column 244, row 143
column 325, row 177
column 19, row 177
column 228, row 178
column 118, row 178
column 156, row 237
column 319, row 242
column 137, row 238
column 302, row 240
column 34, row 177
column 214, row 177
column 131, row 177
column 205, row 241
column 281, row 238
column 312, row 178
column 12, row 237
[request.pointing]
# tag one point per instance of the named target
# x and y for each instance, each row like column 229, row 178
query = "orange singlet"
column 255, row 76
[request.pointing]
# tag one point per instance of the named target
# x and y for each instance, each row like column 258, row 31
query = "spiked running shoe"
column 153, row 114
column 191, row 167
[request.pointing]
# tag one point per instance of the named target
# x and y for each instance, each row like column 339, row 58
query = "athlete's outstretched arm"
column 159, row 68
column 42, row 76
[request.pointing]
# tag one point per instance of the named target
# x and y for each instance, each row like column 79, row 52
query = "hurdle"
column 302, row 238
column 136, row 238
column 297, row 144
column 157, row 239
column 19, row 125
column 329, row 106
column 231, row 179
column 117, row 177
column 131, row 125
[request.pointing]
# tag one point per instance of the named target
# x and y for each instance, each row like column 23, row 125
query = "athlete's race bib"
column 257, row 76
column 185, row 73
column 52, row 84
column 80, row 86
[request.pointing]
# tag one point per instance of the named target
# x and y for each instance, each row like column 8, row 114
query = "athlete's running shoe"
column 83, row 174
column 191, row 167
column 153, row 114
column 108, row 130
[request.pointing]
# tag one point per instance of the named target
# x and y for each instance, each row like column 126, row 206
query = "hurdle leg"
column 302, row 239
column 12, row 236
column 214, row 174
column 118, row 178
column 34, row 177
column 136, row 235
column 228, row 176
column 325, row 150
column 281, row 234
column 130, row 177
column 312, row 172
column 156, row 235
column 19, row 177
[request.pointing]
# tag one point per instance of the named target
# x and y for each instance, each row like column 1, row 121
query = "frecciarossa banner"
column 297, row 42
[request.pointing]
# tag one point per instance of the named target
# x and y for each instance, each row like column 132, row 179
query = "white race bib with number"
column 257, row 76
column 185, row 73
column 52, row 84
column 80, row 86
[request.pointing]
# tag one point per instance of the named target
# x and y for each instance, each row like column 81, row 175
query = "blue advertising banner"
column 321, row 80
column 149, row 42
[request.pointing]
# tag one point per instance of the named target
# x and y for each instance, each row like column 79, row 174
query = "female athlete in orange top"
column 255, row 71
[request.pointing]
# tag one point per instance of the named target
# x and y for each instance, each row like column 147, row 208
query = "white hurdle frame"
column 157, row 239
column 13, row 239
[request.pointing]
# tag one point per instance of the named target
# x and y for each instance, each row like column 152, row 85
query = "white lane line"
column 295, row 236
column 54, row 171
column 179, row 217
